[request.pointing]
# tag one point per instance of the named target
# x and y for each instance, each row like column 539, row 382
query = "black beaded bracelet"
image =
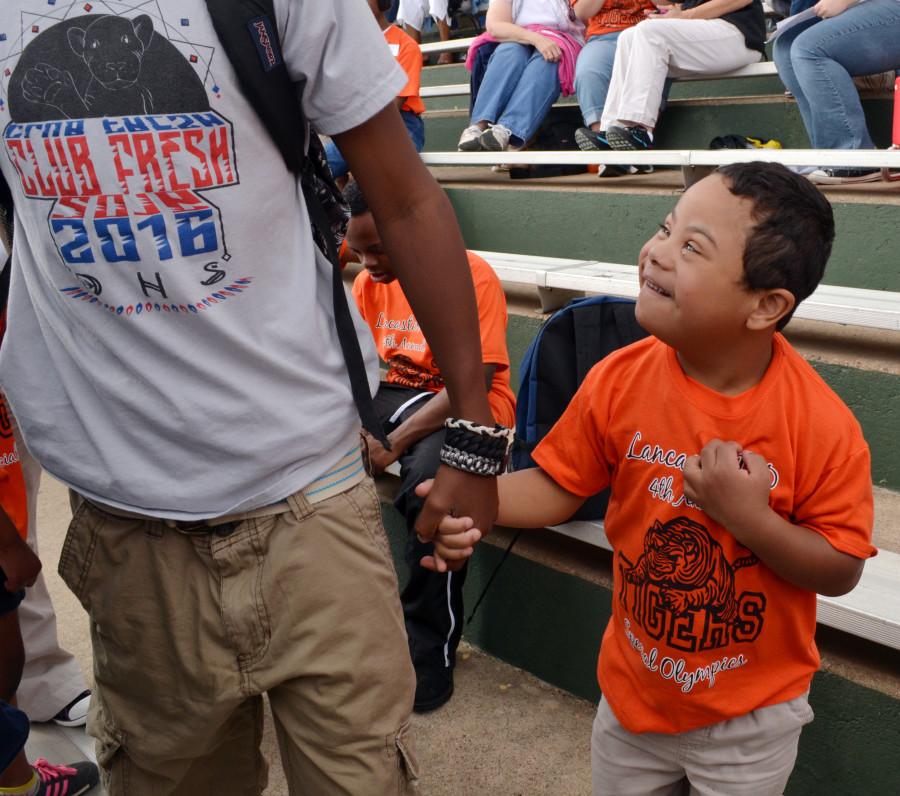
column 476, row 449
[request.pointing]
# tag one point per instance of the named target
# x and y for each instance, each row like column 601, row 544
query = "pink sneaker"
column 69, row 780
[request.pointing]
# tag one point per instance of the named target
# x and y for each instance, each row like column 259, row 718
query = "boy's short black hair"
column 791, row 242
column 355, row 200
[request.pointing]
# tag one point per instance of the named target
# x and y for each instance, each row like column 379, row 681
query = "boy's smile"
column 692, row 270
column 364, row 241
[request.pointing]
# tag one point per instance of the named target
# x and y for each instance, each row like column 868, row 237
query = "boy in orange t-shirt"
column 740, row 488
column 413, row 405
column 409, row 56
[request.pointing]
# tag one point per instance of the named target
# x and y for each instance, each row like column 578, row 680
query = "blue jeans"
column 592, row 74
column 818, row 60
column 414, row 126
column 518, row 89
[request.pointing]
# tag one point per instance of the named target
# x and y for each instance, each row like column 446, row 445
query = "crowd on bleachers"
column 617, row 57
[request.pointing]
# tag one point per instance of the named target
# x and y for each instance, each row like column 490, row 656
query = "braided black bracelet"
column 476, row 449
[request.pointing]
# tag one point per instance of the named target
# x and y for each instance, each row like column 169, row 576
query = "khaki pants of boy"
column 751, row 755
column 189, row 629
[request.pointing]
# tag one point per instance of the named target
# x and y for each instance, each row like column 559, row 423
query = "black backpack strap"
column 247, row 31
column 6, row 211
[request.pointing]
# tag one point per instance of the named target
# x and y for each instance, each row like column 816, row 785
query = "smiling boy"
column 741, row 487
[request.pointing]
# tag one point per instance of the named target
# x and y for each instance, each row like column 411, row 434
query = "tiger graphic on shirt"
column 690, row 568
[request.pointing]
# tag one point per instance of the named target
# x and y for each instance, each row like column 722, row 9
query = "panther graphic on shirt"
column 111, row 123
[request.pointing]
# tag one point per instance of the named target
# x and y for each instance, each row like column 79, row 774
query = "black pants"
column 432, row 602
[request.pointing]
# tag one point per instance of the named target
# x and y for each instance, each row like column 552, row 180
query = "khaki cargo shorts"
column 190, row 627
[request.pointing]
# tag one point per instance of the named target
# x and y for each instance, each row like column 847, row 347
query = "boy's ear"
column 771, row 306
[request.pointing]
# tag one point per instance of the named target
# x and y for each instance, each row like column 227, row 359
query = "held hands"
column 20, row 564
column 825, row 9
column 454, row 537
column 731, row 484
column 548, row 48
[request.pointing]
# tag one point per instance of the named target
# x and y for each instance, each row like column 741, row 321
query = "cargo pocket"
column 111, row 757
column 78, row 550
column 408, row 779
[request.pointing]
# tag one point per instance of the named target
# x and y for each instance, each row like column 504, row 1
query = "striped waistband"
column 346, row 474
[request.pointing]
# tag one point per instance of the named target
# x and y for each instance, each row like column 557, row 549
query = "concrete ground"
column 504, row 733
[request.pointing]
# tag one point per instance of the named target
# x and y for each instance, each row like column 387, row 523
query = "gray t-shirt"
column 171, row 345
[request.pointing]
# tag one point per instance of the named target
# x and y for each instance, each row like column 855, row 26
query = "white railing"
column 684, row 158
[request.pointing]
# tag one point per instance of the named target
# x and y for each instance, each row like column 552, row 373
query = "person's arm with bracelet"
column 420, row 235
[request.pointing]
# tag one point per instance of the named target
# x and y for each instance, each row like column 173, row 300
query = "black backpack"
column 566, row 347
column 248, row 33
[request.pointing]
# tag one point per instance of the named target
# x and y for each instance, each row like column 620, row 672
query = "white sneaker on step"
column 496, row 139
column 470, row 140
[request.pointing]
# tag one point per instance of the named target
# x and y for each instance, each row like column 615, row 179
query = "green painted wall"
column 613, row 225
column 550, row 624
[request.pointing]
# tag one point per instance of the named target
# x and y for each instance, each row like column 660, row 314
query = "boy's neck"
column 729, row 369
column 381, row 19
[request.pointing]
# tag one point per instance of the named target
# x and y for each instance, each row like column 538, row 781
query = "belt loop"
column 301, row 508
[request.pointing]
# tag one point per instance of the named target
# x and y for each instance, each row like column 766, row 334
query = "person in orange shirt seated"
column 413, row 405
column 409, row 56
column 740, row 488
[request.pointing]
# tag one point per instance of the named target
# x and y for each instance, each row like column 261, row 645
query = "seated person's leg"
column 336, row 162
column 432, row 602
column 781, row 54
column 864, row 40
column 415, row 127
column 593, row 72
column 531, row 99
column 669, row 47
column 504, row 70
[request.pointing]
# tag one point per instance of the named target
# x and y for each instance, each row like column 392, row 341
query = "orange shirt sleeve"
column 840, row 506
column 359, row 294
column 410, row 59
column 492, row 317
column 574, row 453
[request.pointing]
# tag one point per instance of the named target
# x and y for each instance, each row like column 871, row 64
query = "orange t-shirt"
column 616, row 15
column 12, row 482
column 409, row 56
column 701, row 631
column 402, row 345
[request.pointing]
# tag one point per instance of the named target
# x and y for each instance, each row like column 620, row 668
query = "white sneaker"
column 470, row 140
column 496, row 139
column 75, row 713
column 843, row 176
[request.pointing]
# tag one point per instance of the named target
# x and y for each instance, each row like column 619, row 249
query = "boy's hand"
column 730, row 484
column 380, row 458
column 454, row 541
column 20, row 564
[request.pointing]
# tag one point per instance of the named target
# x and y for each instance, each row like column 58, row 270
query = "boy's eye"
column 688, row 247
column 664, row 231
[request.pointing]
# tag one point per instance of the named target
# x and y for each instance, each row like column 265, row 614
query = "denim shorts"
column 9, row 601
